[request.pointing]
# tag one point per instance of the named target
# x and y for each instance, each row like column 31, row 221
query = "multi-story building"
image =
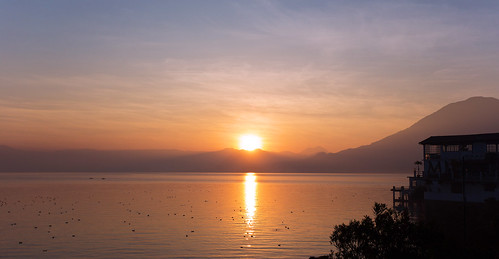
column 456, row 168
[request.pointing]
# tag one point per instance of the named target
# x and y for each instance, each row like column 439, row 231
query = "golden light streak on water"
column 250, row 185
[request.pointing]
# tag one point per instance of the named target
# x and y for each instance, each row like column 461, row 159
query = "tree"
column 390, row 235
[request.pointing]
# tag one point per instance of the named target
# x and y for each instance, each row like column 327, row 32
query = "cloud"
column 227, row 65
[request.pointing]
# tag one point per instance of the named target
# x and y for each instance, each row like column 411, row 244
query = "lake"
column 181, row 215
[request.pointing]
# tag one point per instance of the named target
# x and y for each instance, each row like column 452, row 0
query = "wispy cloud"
column 287, row 67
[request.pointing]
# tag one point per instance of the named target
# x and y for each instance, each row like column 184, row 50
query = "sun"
column 250, row 142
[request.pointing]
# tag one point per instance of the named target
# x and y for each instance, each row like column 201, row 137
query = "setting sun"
column 250, row 142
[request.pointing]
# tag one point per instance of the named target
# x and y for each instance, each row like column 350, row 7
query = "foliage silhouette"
column 391, row 234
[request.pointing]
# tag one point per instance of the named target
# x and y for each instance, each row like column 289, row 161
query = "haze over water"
column 181, row 215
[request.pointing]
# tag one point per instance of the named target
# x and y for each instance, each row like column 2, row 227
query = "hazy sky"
column 195, row 75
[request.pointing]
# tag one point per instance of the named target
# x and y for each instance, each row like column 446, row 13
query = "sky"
column 195, row 75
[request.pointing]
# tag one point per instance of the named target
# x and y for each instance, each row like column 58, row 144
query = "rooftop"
column 492, row 138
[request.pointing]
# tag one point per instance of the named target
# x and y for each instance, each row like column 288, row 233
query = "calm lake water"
column 187, row 215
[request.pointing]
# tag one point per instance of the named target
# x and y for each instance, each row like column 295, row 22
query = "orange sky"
column 195, row 75
column 120, row 128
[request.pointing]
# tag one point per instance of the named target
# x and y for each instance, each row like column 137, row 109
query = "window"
column 432, row 149
column 452, row 148
column 491, row 148
column 468, row 147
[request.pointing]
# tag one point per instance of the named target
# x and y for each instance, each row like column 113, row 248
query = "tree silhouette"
column 390, row 235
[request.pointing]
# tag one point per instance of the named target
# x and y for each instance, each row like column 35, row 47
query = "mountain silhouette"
column 395, row 153
column 398, row 152
column 313, row 151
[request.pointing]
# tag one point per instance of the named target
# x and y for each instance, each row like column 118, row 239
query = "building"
column 456, row 168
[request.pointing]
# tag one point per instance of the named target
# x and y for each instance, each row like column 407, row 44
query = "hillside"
column 397, row 152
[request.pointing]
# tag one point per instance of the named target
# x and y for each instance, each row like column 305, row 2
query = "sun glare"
column 250, row 142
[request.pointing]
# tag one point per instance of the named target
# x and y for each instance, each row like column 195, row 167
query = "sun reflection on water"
column 250, row 200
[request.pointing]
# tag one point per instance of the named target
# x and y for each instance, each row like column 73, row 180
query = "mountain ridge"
column 458, row 118
column 394, row 153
